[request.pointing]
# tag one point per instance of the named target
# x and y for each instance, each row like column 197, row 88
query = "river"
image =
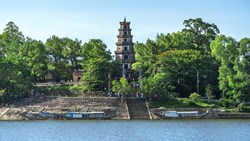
column 126, row 130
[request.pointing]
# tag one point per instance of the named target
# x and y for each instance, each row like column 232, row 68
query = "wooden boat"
column 87, row 115
column 69, row 115
column 183, row 114
column 40, row 115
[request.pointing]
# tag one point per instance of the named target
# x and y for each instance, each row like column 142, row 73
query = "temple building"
column 125, row 50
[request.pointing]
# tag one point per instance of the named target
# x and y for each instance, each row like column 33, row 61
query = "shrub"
column 190, row 103
column 224, row 102
column 195, row 97
column 245, row 109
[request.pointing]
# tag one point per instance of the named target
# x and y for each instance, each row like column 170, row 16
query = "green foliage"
column 194, row 59
column 15, row 82
column 195, row 97
column 181, row 103
column 180, row 55
column 116, row 69
column 234, row 70
column 14, row 71
column 11, row 40
column 209, row 92
column 96, row 65
column 58, row 62
column 224, row 102
column 245, row 109
column 121, row 87
column 78, row 90
column 33, row 53
column 157, row 84
column 72, row 51
column 202, row 33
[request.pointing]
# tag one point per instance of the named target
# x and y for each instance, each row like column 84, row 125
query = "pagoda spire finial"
column 124, row 18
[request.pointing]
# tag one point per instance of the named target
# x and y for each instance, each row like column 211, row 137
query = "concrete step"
column 137, row 108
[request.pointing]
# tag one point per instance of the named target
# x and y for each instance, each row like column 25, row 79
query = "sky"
column 99, row 19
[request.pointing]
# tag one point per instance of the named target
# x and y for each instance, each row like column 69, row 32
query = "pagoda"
column 125, row 50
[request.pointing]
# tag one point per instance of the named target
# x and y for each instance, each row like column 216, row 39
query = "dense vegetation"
column 195, row 59
column 24, row 62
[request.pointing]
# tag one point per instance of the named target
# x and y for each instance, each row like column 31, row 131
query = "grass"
column 182, row 103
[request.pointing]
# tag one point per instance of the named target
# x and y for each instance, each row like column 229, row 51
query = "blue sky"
column 87, row 19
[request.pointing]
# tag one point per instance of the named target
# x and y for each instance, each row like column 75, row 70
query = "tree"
column 34, row 54
column 58, row 61
column 157, row 85
column 116, row 69
column 234, row 68
column 15, row 82
column 195, row 97
column 209, row 92
column 145, row 56
column 243, row 66
column 184, row 56
column 14, row 74
column 72, row 50
column 96, row 65
column 11, row 40
column 178, row 65
column 202, row 34
column 121, row 87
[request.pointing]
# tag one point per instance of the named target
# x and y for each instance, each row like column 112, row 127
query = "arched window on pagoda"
column 125, row 66
column 125, row 57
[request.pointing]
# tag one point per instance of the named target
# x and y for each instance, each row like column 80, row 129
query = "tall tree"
column 72, row 50
column 178, row 65
column 14, row 73
column 121, row 87
column 15, row 81
column 243, row 66
column 146, row 56
column 58, row 62
column 116, row 69
column 96, row 65
column 11, row 40
column 34, row 54
column 202, row 34
column 226, row 51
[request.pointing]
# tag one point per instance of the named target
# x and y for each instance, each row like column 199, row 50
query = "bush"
column 190, row 103
column 195, row 97
column 224, row 102
column 245, row 109
column 78, row 90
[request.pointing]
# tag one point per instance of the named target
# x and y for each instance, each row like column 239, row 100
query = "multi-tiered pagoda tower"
column 125, row 50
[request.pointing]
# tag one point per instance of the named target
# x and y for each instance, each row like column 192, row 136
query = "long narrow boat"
column 87, row 115
column 69, row 115
column 183, row 114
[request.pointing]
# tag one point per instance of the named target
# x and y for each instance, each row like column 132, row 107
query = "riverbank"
column 111, row 106
column 212, row 113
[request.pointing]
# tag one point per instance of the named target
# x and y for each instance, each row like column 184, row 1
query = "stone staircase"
column 137, row 108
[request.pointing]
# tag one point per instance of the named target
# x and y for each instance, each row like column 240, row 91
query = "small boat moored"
column 183, row 114
column 69, row 115
column 87, row 115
